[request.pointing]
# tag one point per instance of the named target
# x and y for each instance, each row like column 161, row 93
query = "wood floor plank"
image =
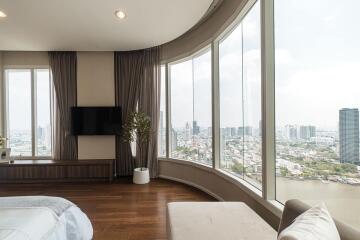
column 121, row 210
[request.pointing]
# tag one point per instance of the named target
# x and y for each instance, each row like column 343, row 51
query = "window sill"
column 272, row 205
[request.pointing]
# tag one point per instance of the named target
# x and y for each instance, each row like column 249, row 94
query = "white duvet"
column 28, row 222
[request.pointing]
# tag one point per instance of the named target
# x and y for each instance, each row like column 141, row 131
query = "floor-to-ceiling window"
column 317, row 58
column 310, row 73
column 27, row 104
column 240, row 99
column 191, row 119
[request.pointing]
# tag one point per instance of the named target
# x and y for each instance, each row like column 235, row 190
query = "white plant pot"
column 141, row 176
column 5, row 154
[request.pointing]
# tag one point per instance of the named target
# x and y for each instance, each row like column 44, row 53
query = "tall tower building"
column 307, row 132
column 349, row 135
column 187, row 136
column 174, row 140
column 291, row 132
column 196, row 128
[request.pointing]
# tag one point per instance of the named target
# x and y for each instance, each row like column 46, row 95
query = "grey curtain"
column 63, row 66
column 149, row 103
column 137, row 84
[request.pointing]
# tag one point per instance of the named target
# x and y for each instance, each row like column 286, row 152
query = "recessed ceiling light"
column 120, row 14
column 2, row 14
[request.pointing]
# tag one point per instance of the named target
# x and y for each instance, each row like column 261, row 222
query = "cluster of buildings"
column 21, row 145
column 243, row 144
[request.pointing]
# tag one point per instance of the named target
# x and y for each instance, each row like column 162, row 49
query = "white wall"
column 95, row 85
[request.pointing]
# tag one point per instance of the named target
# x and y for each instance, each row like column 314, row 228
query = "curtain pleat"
column 63, row 66
column 149, row 103
column 128, row 75
column 137, row 84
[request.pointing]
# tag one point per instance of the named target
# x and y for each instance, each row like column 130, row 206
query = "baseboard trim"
column 217, row 197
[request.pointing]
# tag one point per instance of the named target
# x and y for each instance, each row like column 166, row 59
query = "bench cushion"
column 216, row 220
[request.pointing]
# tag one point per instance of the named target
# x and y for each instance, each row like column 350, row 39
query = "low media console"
column 57, row 171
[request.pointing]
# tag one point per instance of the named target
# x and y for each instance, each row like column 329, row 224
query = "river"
column 342, row 200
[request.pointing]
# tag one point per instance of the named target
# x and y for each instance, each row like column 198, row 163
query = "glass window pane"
column 202, row 122
column 317, row 102
column 191, row 109
column 181, row 110
column 43, row 128
column 19, row 111
column 240, row 99
column 162, row 120
column 252, row 96
column 231, row 107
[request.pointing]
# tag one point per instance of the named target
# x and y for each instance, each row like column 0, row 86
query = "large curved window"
column 311, row 103
column 191, row 109
column 317, row 102
column 240, row 99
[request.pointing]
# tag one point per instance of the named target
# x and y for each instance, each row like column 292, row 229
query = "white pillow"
column 314, row 224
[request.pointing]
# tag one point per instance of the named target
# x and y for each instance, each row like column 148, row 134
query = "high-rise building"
column 40, row 133
column 248, row 131
column 245, row 131
column 196, row 128
column 174, row 139
column 240, row 131
column 222, row 144
column 187, row 136
column 209, row 132
column 349, row 135
column 291, row 132
column 227, row 132
column 233, row 132
column 307, row 132
column 260, row 128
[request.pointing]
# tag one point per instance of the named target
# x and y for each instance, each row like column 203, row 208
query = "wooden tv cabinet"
column 23, row 171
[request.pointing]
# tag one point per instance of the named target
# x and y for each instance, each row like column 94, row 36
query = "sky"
column 317, row 70
column 317, row 60
column 194, row 103
column 19, row 87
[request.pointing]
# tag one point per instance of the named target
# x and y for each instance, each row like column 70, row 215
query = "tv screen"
column 96, row 120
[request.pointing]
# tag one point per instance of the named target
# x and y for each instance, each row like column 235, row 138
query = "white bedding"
column 28, row 222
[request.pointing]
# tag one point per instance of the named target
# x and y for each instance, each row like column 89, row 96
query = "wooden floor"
column 120, row 210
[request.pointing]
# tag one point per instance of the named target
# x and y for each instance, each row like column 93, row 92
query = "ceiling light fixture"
column 120, row 14
column 2, row 14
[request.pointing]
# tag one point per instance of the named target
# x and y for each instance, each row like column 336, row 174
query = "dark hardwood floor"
column 120, row 210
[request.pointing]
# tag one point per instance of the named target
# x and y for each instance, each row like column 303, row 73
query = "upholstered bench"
column 216, row 220
column 233, row 220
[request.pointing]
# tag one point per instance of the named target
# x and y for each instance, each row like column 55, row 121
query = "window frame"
column 5, row 107
column 246, row 8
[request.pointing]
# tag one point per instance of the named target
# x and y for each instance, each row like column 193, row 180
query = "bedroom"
column 115, row 115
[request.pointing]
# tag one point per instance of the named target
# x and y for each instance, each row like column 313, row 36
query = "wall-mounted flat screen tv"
column 96, row 120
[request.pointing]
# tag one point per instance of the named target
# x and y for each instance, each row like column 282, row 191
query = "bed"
column 41, row 217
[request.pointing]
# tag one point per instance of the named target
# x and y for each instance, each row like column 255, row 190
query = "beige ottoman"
column 216, row 220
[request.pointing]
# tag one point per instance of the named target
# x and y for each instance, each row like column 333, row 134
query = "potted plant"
column 138, row 129
column 4, row 152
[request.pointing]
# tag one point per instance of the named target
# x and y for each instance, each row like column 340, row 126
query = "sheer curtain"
column 63, row 67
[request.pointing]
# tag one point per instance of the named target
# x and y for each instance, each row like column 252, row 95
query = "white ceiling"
column 90, row 25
